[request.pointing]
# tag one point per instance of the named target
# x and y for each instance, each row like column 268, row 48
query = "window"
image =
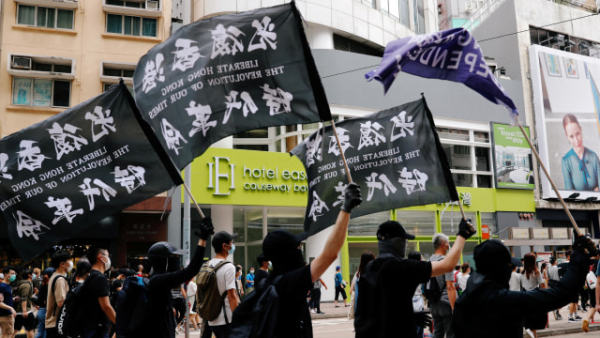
column 469, row 157
column 419, row 17
column 564, row 42
column 45, row 17
column 150, row 4
column 370, row 3
column 111, row 73
column 418, row 223
column 130, row 25
column 41, row 92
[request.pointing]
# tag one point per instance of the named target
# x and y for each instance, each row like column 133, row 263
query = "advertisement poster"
column 512, row 157
column 567, row 112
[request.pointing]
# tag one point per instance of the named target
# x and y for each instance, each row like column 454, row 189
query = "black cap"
column 278, row 242
column 392, row 229
column 163, row 249
column 490, row 255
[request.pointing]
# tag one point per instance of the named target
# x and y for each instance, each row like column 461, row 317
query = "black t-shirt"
column 259, row 275
column 96, row 286
column 385, row 294
column 294, row 318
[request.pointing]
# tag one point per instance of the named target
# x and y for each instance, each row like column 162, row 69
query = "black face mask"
column 288, row 261
column 395, row 246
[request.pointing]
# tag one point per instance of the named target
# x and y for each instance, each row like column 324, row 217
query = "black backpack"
column 71, row 314
column 432, row 290
column 257, row 315
column 132, row 307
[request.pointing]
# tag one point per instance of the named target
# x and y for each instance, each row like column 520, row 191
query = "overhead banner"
column 512, row 157
column 228, row 74
column 64, row 174
column 394, row 155
column 567, row 110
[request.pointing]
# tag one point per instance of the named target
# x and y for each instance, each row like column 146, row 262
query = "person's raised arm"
column 465, row 231
column 336, row 239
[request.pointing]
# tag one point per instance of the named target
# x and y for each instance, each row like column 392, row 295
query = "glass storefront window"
column 247, row 224
column 451, row 218
column 355, row 250
column 367, row 225
column 426, row 249
column 289, row 219
column 468, row 254
column 418, row 223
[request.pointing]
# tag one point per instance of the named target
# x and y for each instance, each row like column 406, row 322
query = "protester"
column 191, row 289
column 340, row 287
column 592, row 280
column 7, row 311
column 488, row 309
column 553, row 278
column 441, row 310
column 562, row 268
column 315, row 296
column 514, row 284
column 294, row 277
column 82, row 271
column 160, row 321
column 530, row 280
column 250, row 280
column 418, row 301
column 24, row 293
column 389, row 282
column 58, row 287
column 263, row 269
column 365, row 258
column 463, row 277
column 40, row 302
column 37, row 278
column 95, row 295
column 239, row 285
column 140, row 271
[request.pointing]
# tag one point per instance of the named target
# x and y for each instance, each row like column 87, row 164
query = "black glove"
column 466, row 229
column 422, row 319
column 584, row 244
column 206, row 228
column 351, row 197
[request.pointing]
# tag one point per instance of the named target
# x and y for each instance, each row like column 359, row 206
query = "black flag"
column 228, row 74
column 62, row 175
column 394, row 155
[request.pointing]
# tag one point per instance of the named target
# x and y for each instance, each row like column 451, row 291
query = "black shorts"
column 28, row 321
column 340, row 290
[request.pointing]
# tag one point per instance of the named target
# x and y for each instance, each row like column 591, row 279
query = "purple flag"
column 452, row 55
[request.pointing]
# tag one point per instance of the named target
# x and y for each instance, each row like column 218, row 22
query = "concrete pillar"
column 314, row 246
column 319, row 37
column 174, row 219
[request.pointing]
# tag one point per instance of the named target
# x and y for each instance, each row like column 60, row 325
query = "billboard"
column 566, row 101
column 512, row 157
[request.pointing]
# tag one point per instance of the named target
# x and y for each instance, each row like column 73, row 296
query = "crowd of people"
column 392, row 293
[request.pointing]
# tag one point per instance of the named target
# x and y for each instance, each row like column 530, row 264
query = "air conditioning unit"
column 152, row 4
column 20, row 62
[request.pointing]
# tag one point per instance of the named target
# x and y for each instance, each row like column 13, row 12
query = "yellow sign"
column 248, row 177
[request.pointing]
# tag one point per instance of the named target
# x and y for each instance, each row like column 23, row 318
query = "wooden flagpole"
column 341, row 152
column 189, row 192
column 537, row 156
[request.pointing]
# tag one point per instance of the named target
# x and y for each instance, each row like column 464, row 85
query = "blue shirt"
column 250, row 280
column 338, row 279
column 581, row 174
column 8, row 300
column 598, row 270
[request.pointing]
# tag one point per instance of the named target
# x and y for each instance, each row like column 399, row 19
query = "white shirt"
column 462, row 280
column 514, row 284
column 191, row 289
column 532, row 282
column 591, row 280
column 225, row 281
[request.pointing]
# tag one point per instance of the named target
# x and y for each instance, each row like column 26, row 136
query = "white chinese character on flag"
column 371, row 134
column 412, row 180
column 186, row 54
column 344, row 142
column 377, row 181
column 404, row 124
column 153, row 72
column 247, row 104
column 202, row 114
column 63, row 209
column 30, row 156
column 102, row 120
column 226, row 41
column 264, row 34
column 130, row 178
column 28, row 227
column 340, row 188
column 65, row 139
column 171, row 135
column 4, row 168
column 278, row 100
column 313, row 150
column 100, row 188
column 317, row 208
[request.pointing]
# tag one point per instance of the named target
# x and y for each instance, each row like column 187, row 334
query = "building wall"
column 87, row 44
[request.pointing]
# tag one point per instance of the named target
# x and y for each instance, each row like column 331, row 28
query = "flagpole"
column 341, row 151
column 537, row 156
column 188, row 191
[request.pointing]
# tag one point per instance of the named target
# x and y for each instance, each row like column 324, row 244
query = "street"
column 333, row 328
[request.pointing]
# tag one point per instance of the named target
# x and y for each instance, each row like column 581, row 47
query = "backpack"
column 432, row 291
column 210, row 301
column 257, row 315
column 71, row 313
column 368, row 312
column 131, row 307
